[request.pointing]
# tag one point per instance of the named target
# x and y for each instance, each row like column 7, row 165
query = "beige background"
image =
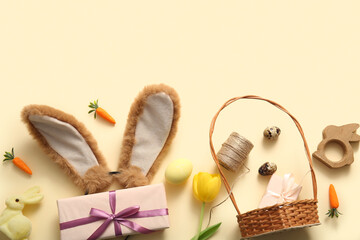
column 302, row 54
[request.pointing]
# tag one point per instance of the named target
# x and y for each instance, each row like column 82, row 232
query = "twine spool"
column 234, row 151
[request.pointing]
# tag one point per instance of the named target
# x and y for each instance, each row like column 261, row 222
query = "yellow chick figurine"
column 12, row 221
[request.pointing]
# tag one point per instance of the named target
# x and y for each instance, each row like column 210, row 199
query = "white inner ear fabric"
column 66, row 141
column 152, row 130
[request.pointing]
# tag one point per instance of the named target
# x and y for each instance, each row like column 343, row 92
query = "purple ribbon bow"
column 119, row 218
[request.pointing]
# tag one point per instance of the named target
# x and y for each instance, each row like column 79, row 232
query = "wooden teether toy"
column 341, row 135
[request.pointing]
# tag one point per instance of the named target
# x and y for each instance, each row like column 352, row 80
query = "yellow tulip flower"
column 206, row 186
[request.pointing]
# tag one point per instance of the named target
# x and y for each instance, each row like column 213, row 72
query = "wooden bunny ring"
column 342, row 135
column 151, row 126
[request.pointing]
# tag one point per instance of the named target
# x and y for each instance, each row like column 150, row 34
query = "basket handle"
column 212, row 126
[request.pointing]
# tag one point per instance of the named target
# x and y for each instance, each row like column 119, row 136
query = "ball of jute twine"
column 234, row 152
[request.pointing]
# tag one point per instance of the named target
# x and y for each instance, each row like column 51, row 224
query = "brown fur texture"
column 96, row 178
column 129, row 135
column 131, row 177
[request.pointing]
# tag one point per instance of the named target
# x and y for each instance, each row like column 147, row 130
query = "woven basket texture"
column 279, row 217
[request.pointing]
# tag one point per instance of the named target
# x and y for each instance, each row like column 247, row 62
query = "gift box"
column 280, row 190
column 139, row 210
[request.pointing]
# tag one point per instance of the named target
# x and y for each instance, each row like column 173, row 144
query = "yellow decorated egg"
column 178, row 171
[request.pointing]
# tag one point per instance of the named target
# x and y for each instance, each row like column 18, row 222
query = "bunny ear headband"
column 151, row 126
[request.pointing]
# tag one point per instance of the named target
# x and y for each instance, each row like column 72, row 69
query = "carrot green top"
column 94, row 105
column 9, row 156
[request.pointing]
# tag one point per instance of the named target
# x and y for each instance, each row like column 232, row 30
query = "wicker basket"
column 280, row 217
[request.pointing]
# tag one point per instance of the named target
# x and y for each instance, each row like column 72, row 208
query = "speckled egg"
column 178, row 171
column 272, row 133
column 267, row 168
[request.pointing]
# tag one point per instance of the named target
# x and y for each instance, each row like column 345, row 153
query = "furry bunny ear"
column 151, row 126
column 69, row 144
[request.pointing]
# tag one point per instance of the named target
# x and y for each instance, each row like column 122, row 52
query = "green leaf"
column 8, row 155
column 208, row 232
column 91, row 111
column 95, row 115
column 94, row 104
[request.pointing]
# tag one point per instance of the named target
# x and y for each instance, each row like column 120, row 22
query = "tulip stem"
column 201, row 220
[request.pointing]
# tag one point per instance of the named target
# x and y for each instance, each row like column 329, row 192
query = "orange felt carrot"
column 101, row 112
column 334, row 203
column 17, row 161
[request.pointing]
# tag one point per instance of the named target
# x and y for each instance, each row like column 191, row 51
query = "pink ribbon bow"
column 118, row 219
column 289, row 190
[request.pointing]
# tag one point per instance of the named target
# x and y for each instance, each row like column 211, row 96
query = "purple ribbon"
column 119, row 218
